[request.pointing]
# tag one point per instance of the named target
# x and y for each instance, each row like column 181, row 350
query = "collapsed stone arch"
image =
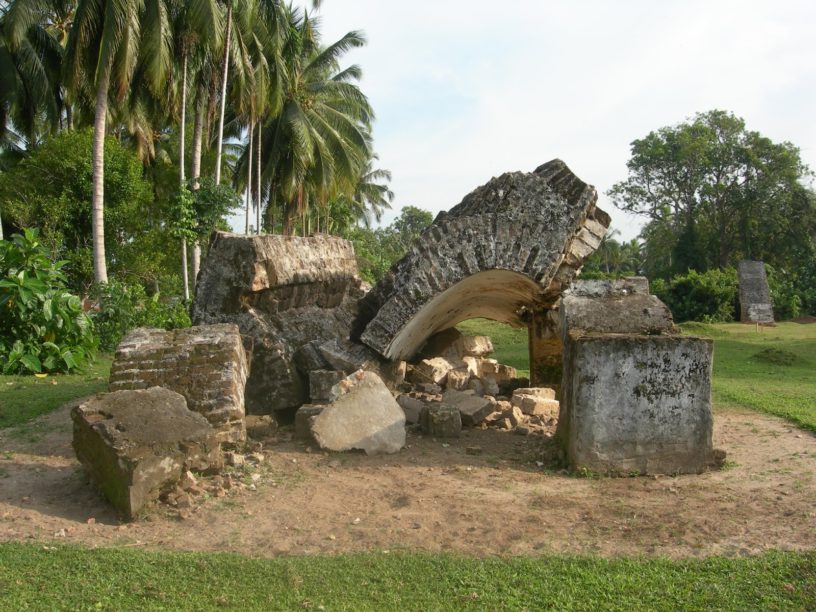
column 505, row 252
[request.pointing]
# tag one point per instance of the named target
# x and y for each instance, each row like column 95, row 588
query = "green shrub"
column 710, row 297
column 42, row 325
column 122, row 307
column 785, row 295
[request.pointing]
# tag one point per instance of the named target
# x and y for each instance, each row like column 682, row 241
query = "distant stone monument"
column 754, row 294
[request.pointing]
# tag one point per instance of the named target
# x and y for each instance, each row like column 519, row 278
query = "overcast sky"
column 465, row 89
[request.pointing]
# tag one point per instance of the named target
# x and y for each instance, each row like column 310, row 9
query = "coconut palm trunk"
column 182, row 137
column 224, row 76
column 249, row 199
column 258, row 184
column 195, row 170
column 98, row 197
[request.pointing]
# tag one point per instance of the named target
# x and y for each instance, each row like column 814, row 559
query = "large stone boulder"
column 365, row 416
column 137, row 444
column 206, row 364
column 293, row 299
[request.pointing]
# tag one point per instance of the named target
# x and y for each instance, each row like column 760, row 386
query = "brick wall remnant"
column 206, row 364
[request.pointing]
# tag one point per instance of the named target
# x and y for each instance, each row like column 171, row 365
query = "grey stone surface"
column 366, row 417
column 441, row 420
column 303, row 420
column 289, row 296
column 321, row 383
column 472, row 408
column 612, row 307
column 509, row 246
column 137, row 444
column 412, row 407
column 206, row 364
column 754, row 293
column 637, row 403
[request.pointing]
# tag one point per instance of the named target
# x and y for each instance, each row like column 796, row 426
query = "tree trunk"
column 258, row 183
column 184, row 272
column 182, row 136
column 249, row 199
column 69, row 117
column 98, row 198
column 224, row 75
column 195, row 171
column 198, row 132
column 1, row 227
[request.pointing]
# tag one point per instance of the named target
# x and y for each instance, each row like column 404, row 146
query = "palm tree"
column 108, row 41
column 372, row 191
column 197, row 25
column 316, row 146
column 31, row 96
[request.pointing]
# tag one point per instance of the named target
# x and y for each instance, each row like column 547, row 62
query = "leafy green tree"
column 42, row 325
column 714, row 193
column 378, row 249
column 51, row 190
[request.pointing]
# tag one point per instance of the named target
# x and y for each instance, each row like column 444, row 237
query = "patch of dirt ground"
column 435, row 496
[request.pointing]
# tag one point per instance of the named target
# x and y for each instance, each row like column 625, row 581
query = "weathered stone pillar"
column 635, row 394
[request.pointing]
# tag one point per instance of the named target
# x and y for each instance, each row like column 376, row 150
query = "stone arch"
column 505, row 252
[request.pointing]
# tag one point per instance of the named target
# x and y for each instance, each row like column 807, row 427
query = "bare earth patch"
column 437, row 496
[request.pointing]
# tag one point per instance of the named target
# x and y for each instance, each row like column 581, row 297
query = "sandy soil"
column 436, row 496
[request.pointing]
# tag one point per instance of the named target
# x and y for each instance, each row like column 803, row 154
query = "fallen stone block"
column 412, row 407
column 500, row 372
column 433, row 371
column 458, row 379
column 476, row 346
column 545, row 392
column 477, row 386
column 490, row 385
column 514, row 414
column 365, row 417
column 535, row 405
column 441, row 420
column 321, row 383
column 303, row 420
column 346, row 356
column 206, row 364
column 137, row 444
column 472, row 408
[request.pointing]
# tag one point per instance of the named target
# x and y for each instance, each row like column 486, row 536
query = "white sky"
column 466, row 89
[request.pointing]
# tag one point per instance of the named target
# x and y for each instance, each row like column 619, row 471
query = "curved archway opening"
column 500, row 295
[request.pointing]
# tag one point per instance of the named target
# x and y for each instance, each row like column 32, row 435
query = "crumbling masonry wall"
column 207, row 365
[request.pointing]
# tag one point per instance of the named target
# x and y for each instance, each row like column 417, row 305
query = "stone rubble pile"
column 454, row 384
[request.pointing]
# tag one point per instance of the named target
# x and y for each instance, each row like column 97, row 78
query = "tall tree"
column 715, row 192
column 108, row 41
column 316, row 146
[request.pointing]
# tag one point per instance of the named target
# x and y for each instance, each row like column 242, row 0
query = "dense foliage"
column 378, row 249
column 120, row 308
column 50, row 189
column 715, row 193
column 42, row 325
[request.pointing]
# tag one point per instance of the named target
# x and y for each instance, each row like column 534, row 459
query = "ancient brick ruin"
column 285, row 328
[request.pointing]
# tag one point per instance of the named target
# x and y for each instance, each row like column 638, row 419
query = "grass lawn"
column 23, row 398
column 771, row 370
column 67, row 577
column 510, row 343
